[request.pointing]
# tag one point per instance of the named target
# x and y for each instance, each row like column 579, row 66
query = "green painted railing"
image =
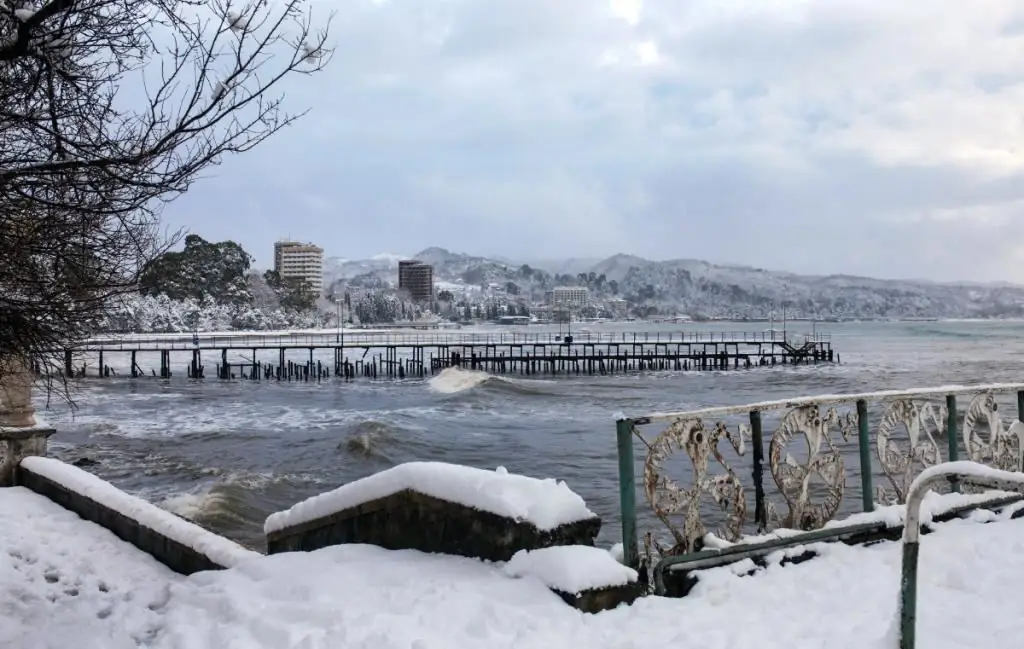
column 961, row 473
column 898, row 435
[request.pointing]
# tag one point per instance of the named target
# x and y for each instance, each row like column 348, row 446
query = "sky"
column 815, row 136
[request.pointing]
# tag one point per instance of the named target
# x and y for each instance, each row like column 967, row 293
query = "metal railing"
column 907, row 432
column 962, row 473
column 247, row 340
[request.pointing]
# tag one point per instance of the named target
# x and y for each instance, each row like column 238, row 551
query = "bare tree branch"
column 85, row 170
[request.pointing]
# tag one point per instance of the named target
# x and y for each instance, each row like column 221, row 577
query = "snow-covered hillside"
column 161, row 314
column 700, row 287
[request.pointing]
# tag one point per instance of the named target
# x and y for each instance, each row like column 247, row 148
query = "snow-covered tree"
column 110, row 109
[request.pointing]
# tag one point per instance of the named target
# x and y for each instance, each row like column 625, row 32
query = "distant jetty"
column 400, row 356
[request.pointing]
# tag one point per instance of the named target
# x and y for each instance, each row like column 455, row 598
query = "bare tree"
column 109, row 109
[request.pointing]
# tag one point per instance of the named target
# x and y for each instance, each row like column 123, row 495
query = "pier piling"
column 413, row 356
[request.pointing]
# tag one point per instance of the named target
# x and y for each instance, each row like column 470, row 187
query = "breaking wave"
column 456, row 380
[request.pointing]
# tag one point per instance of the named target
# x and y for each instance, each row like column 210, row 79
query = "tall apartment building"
column 417, row 278
column 302, row 260
column 568, row 296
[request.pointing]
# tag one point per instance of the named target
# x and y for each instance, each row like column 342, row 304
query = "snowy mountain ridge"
column 714, row 290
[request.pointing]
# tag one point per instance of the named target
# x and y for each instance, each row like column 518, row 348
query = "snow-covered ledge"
column 21, row 435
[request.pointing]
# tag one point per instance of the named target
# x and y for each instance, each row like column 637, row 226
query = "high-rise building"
column 568, row 296
column 416, row 278
column 301, row 260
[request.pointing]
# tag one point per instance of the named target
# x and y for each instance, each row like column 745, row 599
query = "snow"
column 571, row 568
column 964, row 468
column 217, row 548
column 934, row 504
column 24, row 14
column 68, row 584
column 546, row 504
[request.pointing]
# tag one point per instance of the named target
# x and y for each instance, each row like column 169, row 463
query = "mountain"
column 337, row 268
column 701, row 288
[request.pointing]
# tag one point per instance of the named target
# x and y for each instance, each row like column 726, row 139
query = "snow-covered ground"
column 66, row 583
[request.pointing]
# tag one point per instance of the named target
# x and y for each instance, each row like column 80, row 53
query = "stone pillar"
column 17, row 444
column 20, row 434
column 16, row 380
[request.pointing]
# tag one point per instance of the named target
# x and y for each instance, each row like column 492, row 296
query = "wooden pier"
column 399, row 356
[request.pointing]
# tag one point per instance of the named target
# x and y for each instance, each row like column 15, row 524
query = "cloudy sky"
column 820, row 136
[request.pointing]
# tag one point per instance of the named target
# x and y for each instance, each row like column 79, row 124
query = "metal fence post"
column 967, row 472
column 952, row 441
column 627, row 492
column 864, row 442
column 757, row 440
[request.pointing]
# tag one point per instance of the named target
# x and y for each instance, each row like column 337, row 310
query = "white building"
column 301, row 260
column 569, row 296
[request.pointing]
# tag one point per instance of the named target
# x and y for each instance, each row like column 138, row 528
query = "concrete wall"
column 409, row 520
column 176, row 556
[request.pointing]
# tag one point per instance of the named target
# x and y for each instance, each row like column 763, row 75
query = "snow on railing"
column 893, row 434
column 958, row 473
column 348, row 338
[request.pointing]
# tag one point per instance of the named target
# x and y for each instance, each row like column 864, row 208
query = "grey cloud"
column 762, row 138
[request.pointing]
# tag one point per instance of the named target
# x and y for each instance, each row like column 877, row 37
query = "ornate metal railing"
column 819, row 449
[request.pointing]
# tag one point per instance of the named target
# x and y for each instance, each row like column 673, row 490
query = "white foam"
column 453, row 380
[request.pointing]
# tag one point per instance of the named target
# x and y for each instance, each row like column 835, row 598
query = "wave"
column 371, row 439
column 455, row 380
column 237, row 502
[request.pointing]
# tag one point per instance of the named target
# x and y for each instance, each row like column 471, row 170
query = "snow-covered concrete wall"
column 439, row 507
column 175, row 542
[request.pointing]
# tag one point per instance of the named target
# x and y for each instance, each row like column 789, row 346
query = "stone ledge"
column 409, row 520
column 8, row 433
column 176, row 556
column 18, row 443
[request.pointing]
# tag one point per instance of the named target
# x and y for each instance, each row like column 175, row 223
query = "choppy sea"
column 228, row 453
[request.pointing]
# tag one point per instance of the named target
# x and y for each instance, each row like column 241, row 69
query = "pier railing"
column 330, row 338
column 727, row 472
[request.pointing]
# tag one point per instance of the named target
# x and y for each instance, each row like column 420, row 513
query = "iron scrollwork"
column 901, row 465
column 670, row 500
column 824, row 462
column 1000, row 448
